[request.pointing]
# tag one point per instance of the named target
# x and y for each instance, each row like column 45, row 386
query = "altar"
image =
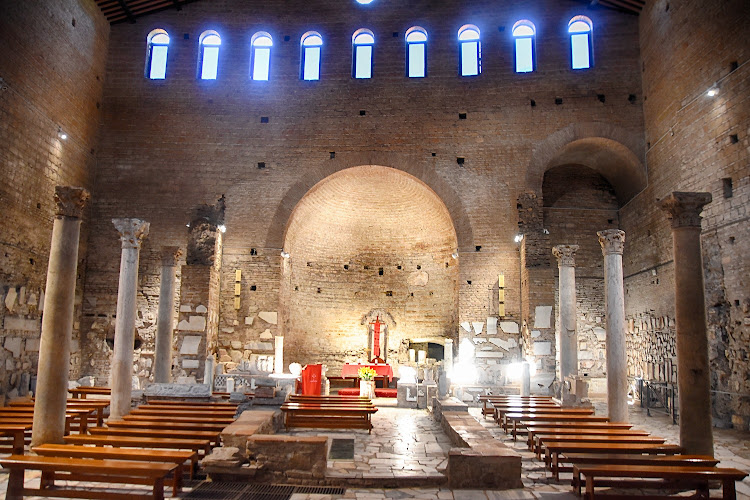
column 382, row 370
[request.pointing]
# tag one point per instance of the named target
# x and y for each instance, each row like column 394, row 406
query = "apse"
column 367, row 244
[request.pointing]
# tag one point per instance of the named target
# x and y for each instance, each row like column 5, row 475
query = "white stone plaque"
column 542, row 348
column 542, row 317
column 193, row 324
column 466, row 326
column 478, row 327
column 509, row 326
column 190, row 345
column 190, row 363
column 269, row 317
column 491, row 325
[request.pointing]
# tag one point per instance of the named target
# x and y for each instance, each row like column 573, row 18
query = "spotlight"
column 455, row 254
column 285, row 254
column 518, row 238
column 223, row 228
column 712, row 91
column 62, row 135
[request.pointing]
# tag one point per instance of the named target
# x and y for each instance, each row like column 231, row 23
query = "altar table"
column 384, row 370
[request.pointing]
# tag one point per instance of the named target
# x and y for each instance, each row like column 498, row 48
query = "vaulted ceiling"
column 123, row 11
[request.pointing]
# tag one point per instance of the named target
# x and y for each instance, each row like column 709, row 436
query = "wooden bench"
column 573, row 428
column 84, row 469
column 662, row 477
column 194, row 404
column 592, row 438
column 81, row 392
column 489, row 402
column 206, row 414
column 328, row 416
column 549, row 431
column 170, row 417
column 17, row 433
column 140, row 455
column 524, row 418
column 197, row 445
column 553, row 449
column 71, row 416
column 213, row 436
column 166, row 425
column 619, row 459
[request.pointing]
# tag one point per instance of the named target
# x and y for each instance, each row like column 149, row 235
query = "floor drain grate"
column 266, row 492
column 217, row 490
column 320, row 490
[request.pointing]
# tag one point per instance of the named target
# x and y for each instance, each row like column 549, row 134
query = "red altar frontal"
column 382, row 370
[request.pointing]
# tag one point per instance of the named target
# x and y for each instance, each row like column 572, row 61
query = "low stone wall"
column 478, row 460
column 248, row 424
column 281, row 457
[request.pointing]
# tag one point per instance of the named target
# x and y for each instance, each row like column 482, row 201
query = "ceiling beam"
column 127, row 12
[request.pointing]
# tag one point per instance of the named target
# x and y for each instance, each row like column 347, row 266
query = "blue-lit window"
column 470, row 53
column 416, row 52
column 312, row 44
column 524, row 35
column 260, row 61
column 363, row 42
column 581, row 47
column 156, row 59
column 209, row 55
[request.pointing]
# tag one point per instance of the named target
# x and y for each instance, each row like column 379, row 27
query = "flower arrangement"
column 366, row 373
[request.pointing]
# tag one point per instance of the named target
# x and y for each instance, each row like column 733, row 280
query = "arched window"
column 156, row 59
column 581, row 46
column 416, row 54
column 471, row 50
column 208, row 62
column 312, row 44
column 363, row 42
column 524, row 34
column 260, row 62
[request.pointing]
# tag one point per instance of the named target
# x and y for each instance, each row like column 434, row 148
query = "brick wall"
column 52, row 57
column 694, row 143
column 167, row 146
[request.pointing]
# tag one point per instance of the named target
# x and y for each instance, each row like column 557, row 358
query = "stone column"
column 448, row 355
column 165, row 318
column 567, row 299
column 525, row 379
column 693, row 374
column 278, row 360
column 57, row 321
column 613, row 242
column 132, row 232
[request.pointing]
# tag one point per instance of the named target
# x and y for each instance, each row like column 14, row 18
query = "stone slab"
column 177, row 391
column 190, row 344
column 542, row 348
column 489, row 354
column 281, row 456
column 190, row 363
column 22, row 324
column 13, row 344
column 509, row 326
column 248, row 424
column 192, row 324
column 466, row 326
column 543, row 317
column 491, row 325
column 478, row 327
column 271, row 317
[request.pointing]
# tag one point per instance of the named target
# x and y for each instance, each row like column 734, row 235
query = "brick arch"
column 453, row 203
column 605, row 148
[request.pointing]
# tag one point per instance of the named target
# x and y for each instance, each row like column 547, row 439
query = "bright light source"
column 407, row 375
column 223, row 228
column 62, row 135
column 364, row 2
column 455, row 255
column 518, row 238
column 712, row 91
column 285, row 254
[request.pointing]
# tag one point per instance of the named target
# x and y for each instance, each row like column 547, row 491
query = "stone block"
column 13, row 344
column 248, row 424
column 266, row 335
column 491, row 325
column 10, row 298
column 201, row 309
column 22, row 324
column 189, row 364
column 190, row 345
column 466, row 326
column 281, row 455
column 178, row 390
column 509, row 327
column 543, row 317
column 488, row 467
column 478, row 327
column 32, row 345
column 542, row 348
column 406, row 395
column 269, row 317
column 192, row 324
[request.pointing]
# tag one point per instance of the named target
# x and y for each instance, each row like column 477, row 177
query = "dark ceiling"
column 124, row 11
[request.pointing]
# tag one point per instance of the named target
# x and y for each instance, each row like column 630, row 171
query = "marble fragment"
column 10, row 298
column 201, row 309
column 542, row 348
column 193, row 324
column 190, row 345
column 268, row 317
column 491, row 325
column 466, row 326
column 509, row 326
column 542, row 316
column 478, row 327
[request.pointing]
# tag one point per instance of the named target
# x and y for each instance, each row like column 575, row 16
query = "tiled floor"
column 408, row 443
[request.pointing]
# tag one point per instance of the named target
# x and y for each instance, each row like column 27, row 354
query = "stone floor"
column 408, row 443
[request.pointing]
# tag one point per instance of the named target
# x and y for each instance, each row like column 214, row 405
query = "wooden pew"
column 140, row 455
column 576, row 431
column 553, row 449
column 197, row 445
column 571, row 428
column 592, row 438
column 82, row 469
column 206, row 414
column 81, row 392
column 662, row 477
column 97, row 405
column 199, row 404
column 72, row 415
column 171, row 417
column 213, row 436
column 17, row 433
column 328, row 416
column 490, row 401
column 523, row 418
column 165, row 425
column 618, row 459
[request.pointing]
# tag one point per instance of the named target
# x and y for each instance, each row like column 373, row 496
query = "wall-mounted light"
column 518, row 238
column 187, row 225
column 222, row 228
column 285, row 254
column 62, row 135
column 713, row 91
column 545, row 231
column 455, row 254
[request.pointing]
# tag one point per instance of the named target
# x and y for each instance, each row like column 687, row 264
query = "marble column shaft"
column 57, row 321
column 693, row 372
column 165, row 316
column 613, row 242
column 132, row 232
column 567, row 299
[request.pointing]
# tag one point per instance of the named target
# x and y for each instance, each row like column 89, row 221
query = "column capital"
column 612, row 241
column 132, row 231
column 565, row 254
column 684, row 209
column 170, row 256
column 70, row 200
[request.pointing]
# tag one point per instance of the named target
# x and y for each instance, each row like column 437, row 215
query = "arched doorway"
column 366, row 239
